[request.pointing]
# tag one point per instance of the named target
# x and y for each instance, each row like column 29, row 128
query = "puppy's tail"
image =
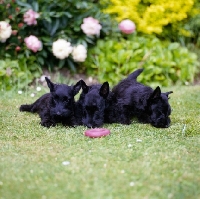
column 26, row 107
column 135, row 74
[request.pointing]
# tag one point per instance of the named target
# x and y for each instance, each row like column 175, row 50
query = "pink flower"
column 91, row 26
column 14, row 32
column 20, row 25
column 17, row 48
column 33, row 43
column 127, row 26
column 30, row 17
column 17, row 9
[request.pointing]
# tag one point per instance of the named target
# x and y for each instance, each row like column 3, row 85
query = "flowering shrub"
column 165, row 63
column 47, row 32
column 175, row 20
column 186, row 31
column 151, row 16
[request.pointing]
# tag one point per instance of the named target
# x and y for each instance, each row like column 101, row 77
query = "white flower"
column 65, row 163
column 132, row 184
column 5, row 31
column 38, row 88
column 90, row 79
column 79, row 53
column 20, row 92
column 42, row 78
column 61, row 48
column 91, row 26
column 32, row 95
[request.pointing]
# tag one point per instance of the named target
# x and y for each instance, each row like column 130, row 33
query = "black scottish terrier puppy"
column 132, row 99
column 56, row 106
column 91, row 104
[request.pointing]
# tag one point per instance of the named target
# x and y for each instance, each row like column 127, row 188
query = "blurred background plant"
column 104, row 39
column 166, row 43
column 165, row 63
column 36, row 25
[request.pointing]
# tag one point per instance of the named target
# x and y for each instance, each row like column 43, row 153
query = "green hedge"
column 164, row 63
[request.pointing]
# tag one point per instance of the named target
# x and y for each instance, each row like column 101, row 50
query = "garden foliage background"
column 91, row 37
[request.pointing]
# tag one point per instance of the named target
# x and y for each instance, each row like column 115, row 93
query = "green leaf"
column 54, row 27
column 35, row 6
column 40, row 60
column 2, row 72
column 2, row 64
column 24, row 4
column 71, row 65
column 61, row 63
column 69, row 15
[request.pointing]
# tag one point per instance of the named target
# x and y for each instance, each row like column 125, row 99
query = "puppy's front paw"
column 47, row 123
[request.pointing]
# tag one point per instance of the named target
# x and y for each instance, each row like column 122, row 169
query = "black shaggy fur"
column 56, row 106
column 92, row 103
column 132, row 99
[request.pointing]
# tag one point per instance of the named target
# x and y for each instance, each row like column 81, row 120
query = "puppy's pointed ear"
column 167, row 93
column 50, row 84
column 156, row 93
column 84, row 87
column 104, row 90
column 77, row 87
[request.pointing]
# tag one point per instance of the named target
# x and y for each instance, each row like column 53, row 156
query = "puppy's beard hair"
column 94, row 120
column 160, row 121
column 63, row 113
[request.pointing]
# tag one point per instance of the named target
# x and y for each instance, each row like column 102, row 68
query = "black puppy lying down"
column 56, row 106
column 130, row 99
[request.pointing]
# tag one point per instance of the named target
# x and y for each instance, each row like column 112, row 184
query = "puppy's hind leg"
column 33, row 108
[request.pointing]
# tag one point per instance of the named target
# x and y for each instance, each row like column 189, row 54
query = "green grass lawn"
column 133, row 162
